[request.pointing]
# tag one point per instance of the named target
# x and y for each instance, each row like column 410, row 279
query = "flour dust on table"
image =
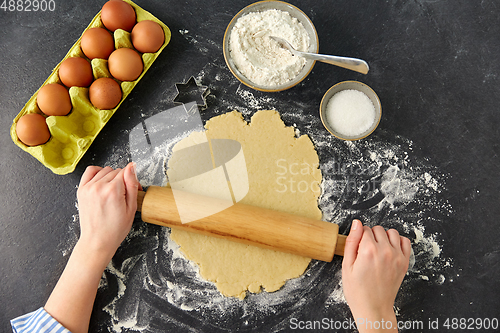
column 382, row 183
column 149, row 286
column 376, row 180
column 379, row 180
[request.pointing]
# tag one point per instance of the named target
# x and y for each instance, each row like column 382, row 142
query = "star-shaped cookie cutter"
column 190, row 91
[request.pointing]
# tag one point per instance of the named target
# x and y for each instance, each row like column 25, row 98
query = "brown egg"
column 32, row 129
column 53, row 100
column 125, row 64
column 76, row 72
column 147, row 36
column 105, row 93
column 97, row 43
column 117, row 14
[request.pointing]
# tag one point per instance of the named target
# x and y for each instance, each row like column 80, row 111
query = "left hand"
column 107, row 202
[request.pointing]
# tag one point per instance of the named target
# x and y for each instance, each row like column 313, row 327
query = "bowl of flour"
column 260, row 62
column 350, row 110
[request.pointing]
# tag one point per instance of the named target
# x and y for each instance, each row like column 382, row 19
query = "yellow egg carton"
column 71, row 135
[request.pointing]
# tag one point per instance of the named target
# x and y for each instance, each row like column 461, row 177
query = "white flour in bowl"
column 258, row 57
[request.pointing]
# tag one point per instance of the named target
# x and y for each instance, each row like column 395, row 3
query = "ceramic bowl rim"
column 345, row 85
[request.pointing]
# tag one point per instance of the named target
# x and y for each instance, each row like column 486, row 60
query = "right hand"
column 375, row 263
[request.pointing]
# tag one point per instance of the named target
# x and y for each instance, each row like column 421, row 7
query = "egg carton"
column 72, row 135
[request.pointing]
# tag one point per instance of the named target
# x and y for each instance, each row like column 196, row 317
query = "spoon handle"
column 353, row 64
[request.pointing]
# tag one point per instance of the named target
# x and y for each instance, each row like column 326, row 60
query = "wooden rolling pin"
column 247, row 224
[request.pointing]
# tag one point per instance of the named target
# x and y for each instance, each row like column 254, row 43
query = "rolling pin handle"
column 140, row 200
column 339, row 247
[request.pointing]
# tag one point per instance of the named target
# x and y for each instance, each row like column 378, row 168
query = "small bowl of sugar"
column 257, row 60
column 350, row 110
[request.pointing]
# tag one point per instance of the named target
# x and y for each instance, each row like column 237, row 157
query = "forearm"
column 73, row 297
column 370, row 322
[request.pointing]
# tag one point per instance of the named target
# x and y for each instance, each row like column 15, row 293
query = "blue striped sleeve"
column 38, row 321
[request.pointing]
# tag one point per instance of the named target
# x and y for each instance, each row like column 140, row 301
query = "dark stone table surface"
column 434, row 65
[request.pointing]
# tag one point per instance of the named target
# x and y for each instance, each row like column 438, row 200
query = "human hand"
column 107, row 202
column 375, row 263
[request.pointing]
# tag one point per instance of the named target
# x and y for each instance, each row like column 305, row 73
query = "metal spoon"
column 353, row 64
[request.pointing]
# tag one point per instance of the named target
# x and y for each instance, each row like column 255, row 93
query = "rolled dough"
column 283, row 174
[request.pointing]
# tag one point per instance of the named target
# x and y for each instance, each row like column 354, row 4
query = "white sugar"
column 350, row 113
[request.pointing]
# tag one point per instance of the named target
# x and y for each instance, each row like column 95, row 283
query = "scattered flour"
column 251, row 100
column 377, row 181
column 431, row 247
column 149, row 284
column 431, row 182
